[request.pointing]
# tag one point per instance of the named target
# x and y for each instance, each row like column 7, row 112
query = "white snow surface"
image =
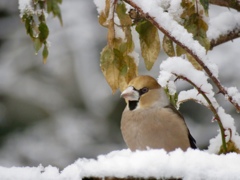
column 192, row 164
column 234, row 93
column 25, row 6
column 223, row 24
column 231, row 133
column 100, row 5
column 182, row 67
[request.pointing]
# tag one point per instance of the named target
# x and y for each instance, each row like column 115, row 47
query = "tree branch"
column 211, row 107
column 225, row 38
column 234, row 4
column 196, row 57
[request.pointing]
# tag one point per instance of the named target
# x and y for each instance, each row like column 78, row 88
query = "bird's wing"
column 192, row 141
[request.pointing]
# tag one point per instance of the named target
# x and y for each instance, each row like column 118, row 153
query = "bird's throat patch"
column 132, row 105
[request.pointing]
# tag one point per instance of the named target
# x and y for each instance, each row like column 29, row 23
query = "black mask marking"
column 132, row 105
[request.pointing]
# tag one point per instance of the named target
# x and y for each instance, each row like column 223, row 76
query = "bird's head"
column 144, row 92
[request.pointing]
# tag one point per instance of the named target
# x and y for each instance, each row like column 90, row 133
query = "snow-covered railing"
column 154, row 164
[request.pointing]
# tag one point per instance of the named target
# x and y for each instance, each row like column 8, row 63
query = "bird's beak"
column 130, row 94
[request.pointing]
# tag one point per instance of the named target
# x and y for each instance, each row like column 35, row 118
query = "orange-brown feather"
column 144, row 81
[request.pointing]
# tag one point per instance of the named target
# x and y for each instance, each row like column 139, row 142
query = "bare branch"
column 196, row 57
column 225, row 38
column 234, row 4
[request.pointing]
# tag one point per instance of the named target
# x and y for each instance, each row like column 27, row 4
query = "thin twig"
column 211, row 107
column 231, row 35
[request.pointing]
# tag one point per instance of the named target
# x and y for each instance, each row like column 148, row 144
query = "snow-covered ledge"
column 193, row 164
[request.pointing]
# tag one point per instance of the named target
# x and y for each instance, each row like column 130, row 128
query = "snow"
column 231, row 134
column 135, row 56
column 192, row 164
column 100, row 5
column 177, row 66
column 191, row 94
column 174, row 8
column 29, row 173
column 223, row 23
column 25, row 6
column 167, row 22
column 234, row 93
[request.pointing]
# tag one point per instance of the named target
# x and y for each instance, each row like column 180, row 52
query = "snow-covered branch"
column 183, row 69
column 162, row 20
column 224, row 27
column 231, row 35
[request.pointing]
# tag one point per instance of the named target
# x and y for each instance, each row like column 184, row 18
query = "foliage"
column 193, row 20
column 116, row 61
column 35, row 23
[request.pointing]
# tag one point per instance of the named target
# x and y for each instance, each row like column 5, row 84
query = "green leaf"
column 108, row 67
column 132, row 68
column 193, row 62
column 168, row 46
column 45, row 54
column 102, row 19
column 188, row 8
column 126, row 23
column 37, row 45
column 204, row 42
column 129, row 71
column 53, row 7
column 149, row 42
column 126, row 47
column 41, row 4
column 205, row 4
column 125, row 19
column 179, row 50
column 173, row 98
column 29, row 22
column 43, row 32
column 103, row 15
column 196, row 25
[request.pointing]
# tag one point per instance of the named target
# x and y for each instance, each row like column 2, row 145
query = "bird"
column 150, row 121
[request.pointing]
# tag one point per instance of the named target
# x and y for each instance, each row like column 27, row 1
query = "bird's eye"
column 143, row 90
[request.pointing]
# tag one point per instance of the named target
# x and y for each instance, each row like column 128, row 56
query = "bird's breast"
column 153, row 128
column 131, row 128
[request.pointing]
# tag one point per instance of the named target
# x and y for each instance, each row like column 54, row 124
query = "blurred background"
column 55, row 113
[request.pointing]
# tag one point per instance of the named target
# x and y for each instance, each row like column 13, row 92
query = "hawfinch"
column 150, row 121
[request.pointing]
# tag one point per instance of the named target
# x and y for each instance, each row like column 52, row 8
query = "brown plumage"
column 150, row 121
